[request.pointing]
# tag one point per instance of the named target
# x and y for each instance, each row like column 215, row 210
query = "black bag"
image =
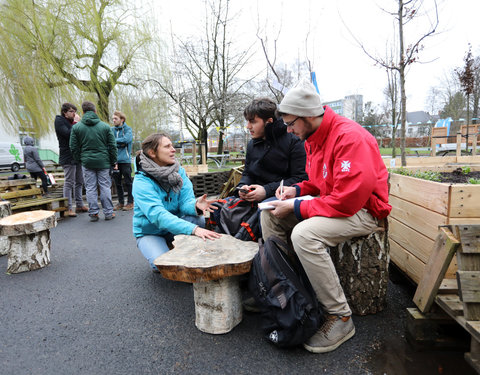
column 289, row 308
column 238, row 218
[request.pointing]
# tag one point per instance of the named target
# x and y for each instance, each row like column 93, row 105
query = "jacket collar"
column 320, row 135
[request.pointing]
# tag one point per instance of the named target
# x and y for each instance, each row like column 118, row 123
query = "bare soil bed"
column 458, row 176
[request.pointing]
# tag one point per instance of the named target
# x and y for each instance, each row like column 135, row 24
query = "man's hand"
column 115, row 166
column 282, row 209
column 256, row 193
column 206, row 234
column 203, row 204
column 288, row 192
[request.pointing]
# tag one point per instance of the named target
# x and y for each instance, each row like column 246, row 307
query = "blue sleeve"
column 127, row 136
column 149, row 198
column 187, row 199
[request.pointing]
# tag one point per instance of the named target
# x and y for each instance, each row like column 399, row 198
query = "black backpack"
column 238, row 218
column 289, row 308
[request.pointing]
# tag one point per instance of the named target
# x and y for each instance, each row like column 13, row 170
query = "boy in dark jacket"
column 73, row 185
column 273, row 154
column 33, row 162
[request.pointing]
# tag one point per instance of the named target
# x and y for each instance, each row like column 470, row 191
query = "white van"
column 11, row 156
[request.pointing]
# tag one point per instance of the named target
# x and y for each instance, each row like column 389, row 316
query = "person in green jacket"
column 93, row 144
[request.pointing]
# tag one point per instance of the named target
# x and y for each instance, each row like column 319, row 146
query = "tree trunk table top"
column 27, row 223
column 194, row 260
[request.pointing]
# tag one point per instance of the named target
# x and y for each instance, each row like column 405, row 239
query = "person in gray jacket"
column 33, row 162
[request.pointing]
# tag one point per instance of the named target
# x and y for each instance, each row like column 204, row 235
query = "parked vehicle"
column 11, row 156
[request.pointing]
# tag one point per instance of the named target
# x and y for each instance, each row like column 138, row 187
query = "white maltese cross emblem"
column 324, row 170
column 346, row 166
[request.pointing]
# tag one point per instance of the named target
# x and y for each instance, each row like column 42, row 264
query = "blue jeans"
column 100, row 177
column 152, row 246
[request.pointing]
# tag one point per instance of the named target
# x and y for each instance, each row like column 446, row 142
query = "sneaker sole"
column 326, row 349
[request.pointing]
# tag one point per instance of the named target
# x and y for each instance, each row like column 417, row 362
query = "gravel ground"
column 98, row 309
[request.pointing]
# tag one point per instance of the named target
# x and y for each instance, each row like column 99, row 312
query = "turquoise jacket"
column 123, row 136
column 157, row 212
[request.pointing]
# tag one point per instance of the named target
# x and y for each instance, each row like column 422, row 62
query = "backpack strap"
column 276, row 289
column 249, row 230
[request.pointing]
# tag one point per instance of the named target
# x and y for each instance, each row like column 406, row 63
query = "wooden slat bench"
column 24, row 195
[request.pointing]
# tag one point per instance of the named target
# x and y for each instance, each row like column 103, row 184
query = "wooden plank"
column 464, row 200
column 470, row 238
column 442, row 253
column 428, row 194
column 412, row 240
column 416, row 216
column 451, row 304
column 469, row 285
column 21, row 193
column 448, row 286
column 408, row 263
column 20, row 182
column 473, row 327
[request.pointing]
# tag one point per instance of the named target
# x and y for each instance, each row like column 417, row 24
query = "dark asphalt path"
column 98, row 309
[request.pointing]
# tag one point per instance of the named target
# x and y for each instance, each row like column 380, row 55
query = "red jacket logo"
column 346, row 165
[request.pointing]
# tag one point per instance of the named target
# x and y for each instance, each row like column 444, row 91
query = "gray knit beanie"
column 302, row 100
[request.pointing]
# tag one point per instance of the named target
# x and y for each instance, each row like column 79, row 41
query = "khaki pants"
column 310, row 239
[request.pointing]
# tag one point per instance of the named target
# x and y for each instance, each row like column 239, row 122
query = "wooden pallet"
column 208, row 183
column 464, row 306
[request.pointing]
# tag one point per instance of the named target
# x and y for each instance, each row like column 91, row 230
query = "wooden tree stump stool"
column 362, row 267
column 5, row 210
column 213, row 267
column 28, row 239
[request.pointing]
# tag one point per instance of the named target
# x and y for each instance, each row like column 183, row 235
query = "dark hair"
column 67, row 107
column 88, row 106
column 263, row 107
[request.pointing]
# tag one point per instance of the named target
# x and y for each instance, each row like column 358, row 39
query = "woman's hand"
column 203, row 204
column 206, row 234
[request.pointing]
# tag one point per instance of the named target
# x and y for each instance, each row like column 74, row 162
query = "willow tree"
column 57, row 50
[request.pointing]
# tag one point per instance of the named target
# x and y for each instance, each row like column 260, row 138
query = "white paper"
column 268, row 206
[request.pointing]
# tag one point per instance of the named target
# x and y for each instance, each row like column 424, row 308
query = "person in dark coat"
column 73, row 185
column 33, row 162
column 273, row 154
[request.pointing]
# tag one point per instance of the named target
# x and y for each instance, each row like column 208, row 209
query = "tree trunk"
column 5, row 210
column 403, row 96
column 362, row 267
column 28, row 239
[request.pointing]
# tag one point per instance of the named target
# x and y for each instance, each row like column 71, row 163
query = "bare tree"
column 205, row 83
column 391, row 93
column 405, row 12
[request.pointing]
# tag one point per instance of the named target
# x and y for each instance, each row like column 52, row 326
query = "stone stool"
column 214, row 268
column 5, row 210
column 28, row 239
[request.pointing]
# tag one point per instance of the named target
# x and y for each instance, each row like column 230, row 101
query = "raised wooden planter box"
column 418, row 208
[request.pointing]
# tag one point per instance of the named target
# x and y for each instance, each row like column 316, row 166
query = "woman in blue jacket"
column 164, row 201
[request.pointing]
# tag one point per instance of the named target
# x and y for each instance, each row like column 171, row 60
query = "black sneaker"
column 94, row 217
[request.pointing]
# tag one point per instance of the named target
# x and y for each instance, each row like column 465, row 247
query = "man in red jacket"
column 348, row 178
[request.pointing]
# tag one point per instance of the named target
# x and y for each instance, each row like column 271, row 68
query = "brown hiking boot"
column 334, row 332
column 81, row 209
column 118, row 207
column 128, row 207
column 71, row 213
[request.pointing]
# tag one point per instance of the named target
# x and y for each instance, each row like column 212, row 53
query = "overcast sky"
column 342, row 68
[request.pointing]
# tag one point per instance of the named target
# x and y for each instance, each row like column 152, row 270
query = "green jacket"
column 92, row 143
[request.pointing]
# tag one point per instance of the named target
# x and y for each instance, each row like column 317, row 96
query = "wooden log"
column 5, row 210
column 218, row 305
column 362, row 267
column 28, row 239
column 213, row 267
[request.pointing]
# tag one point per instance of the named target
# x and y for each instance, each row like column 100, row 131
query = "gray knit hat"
column 302, row 100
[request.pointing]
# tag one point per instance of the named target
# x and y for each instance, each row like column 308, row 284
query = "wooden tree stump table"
column 214, row 268
column 5, row 210
column 28, row 239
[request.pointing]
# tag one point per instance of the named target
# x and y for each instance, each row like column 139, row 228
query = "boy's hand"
column 257, row 193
